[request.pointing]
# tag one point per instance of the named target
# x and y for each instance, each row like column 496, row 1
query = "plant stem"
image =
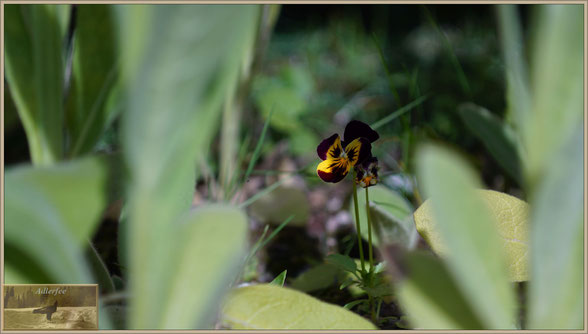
column 367, row 212
column 357, row 225
column 373, row 309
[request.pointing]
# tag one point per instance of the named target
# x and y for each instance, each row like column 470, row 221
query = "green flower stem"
column 357, row 225
column 367, row 212
column 372, row 302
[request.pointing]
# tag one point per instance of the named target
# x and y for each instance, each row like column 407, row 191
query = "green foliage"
column 475, row 256
column 267, row 306
column 316, row 278
column 343, row 262
column 495, row 135
column 34, row 70
column 555, row 298
column 435, row 303
column 94, row 96
column 391, row 216
column 62, row 221
column 163, row 97
column 511, row 217
column 280, row 279
column 214, row 238
column 557, row 86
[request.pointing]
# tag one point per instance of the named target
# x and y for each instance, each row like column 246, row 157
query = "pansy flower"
column 340, row 156
column 367, row 172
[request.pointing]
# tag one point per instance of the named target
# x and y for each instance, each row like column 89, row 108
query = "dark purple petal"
column 357, row 129
column 323, row 149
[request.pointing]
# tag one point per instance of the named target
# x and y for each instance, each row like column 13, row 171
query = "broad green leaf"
column 475, row 254
column 511, row 216
column 280, row 279
column 342, row 261
column 557, row 263
column 78, row 191
column 206, row 257
column 493, row 134
column 557, row 77
column 38, row 245
column 94, row 77
column 178, row 75
column 284, row 201
column 391, row 216
column 14, row 275
column 316, row 278
column 267, row 306
column 34, row 70
column 434, row 303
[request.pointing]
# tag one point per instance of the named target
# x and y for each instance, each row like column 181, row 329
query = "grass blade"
column 258, row 147
column 463, row 81
column 261, row 193
column 399, row 112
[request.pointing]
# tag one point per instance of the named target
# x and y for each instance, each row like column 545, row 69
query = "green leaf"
column 342, row 261
column 557, row 77
column 475, row 254
column 557, row 262
column 99, row 269
column 94, row 77
column 354, row 303
column 510, row 214
column 91, row 185
column 280, row 279
column 213, row 237
column 271, row 307
column 34, row 70
column 316, row 278
column 434, row 303
column 401, row 111
column 391, row 216
column 39, row 246
column 493, row 134
column 178, row 76
column 518, row 96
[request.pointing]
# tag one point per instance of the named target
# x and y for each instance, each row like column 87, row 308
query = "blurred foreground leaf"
column 557, row 77
column 511, row 215
column 518, row 96
column 475, row 255
column 207, row 255
column 434, row 303
column 268, row 306
column 94, row 75
column 47, row 226
column 34, row 70
column 557, row 263
column 178, row 74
